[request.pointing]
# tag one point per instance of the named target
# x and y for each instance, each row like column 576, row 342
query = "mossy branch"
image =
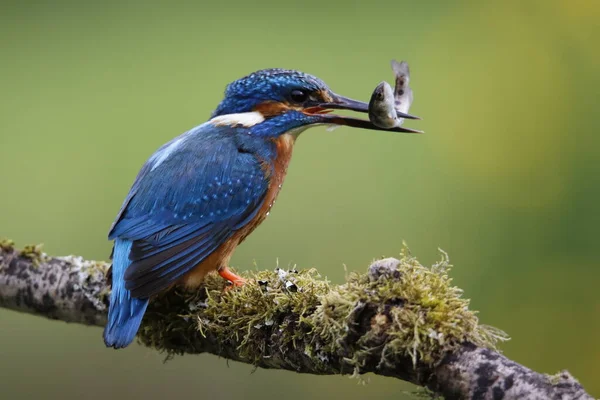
column 400, row 319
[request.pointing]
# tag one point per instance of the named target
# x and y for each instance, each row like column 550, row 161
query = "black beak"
column 345, row 103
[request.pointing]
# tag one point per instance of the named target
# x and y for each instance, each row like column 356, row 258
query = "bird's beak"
column 345, row 103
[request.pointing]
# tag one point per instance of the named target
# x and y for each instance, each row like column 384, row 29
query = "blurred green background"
column 506, row 179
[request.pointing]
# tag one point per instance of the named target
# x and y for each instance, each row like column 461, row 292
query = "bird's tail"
column 124, row 313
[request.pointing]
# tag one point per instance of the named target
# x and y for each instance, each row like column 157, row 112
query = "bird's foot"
column 228, row 275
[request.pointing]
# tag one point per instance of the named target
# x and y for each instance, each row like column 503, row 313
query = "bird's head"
column 274, row 101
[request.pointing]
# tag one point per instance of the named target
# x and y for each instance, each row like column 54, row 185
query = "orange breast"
column 285, row 145
column 221, row 256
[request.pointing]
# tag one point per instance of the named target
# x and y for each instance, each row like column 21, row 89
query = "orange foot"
column 227, row 274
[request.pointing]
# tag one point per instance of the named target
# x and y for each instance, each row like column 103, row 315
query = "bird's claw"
column 233, row 280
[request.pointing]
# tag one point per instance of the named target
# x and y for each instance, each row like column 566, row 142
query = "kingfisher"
column 201, row 194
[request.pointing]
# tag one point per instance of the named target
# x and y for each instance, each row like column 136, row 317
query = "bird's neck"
column 290, row 122
column 258, row 124
column 269, row 139
column 284, row 146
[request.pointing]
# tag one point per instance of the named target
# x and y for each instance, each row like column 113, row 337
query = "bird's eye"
column 299, row 96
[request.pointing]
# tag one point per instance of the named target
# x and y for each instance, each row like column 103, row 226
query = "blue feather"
column 188, row 199
column 283, row 123
column 171, row 271
column 124, row 313
column 272, row 84
column 195, row 248
column 165, row 239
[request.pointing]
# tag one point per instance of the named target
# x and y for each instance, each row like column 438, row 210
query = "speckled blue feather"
column 265, row 85
column 187, row 200
column 283, row 123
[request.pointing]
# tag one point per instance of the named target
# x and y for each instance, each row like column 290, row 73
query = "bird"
column 201, row 194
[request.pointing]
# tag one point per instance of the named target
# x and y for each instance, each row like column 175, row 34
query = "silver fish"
column 385, row 102
column 382, row 107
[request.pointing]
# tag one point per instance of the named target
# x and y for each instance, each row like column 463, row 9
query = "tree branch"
column 400, row 319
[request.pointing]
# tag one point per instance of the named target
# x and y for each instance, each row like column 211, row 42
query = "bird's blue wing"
column 187, row 200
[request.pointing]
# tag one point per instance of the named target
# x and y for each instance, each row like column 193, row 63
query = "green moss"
column 562, row 377
column 33, row 252
column 433, row 317
column 554, row 379
column 418, row 313
column 7, row 245
column 238, row 315
column 92, row 267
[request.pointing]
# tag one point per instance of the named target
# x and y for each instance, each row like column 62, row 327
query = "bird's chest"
column 275, row 171
column 285, row 145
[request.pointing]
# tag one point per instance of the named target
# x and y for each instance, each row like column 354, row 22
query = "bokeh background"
column 506, row 178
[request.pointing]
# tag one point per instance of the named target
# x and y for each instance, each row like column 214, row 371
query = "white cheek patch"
column 247, row 119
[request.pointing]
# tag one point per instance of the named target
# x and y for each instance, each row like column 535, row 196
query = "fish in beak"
column 345, row 103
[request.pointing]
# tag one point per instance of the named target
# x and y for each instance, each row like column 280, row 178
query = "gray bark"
column 479, row 373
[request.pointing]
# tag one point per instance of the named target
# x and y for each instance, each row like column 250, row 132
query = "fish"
column 382, row 107
column 403, row 94
column 385, row 102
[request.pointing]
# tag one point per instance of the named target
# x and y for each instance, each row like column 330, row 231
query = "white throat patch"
column 247, row 119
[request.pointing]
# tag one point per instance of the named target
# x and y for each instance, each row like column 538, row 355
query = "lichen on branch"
column 400, row 309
